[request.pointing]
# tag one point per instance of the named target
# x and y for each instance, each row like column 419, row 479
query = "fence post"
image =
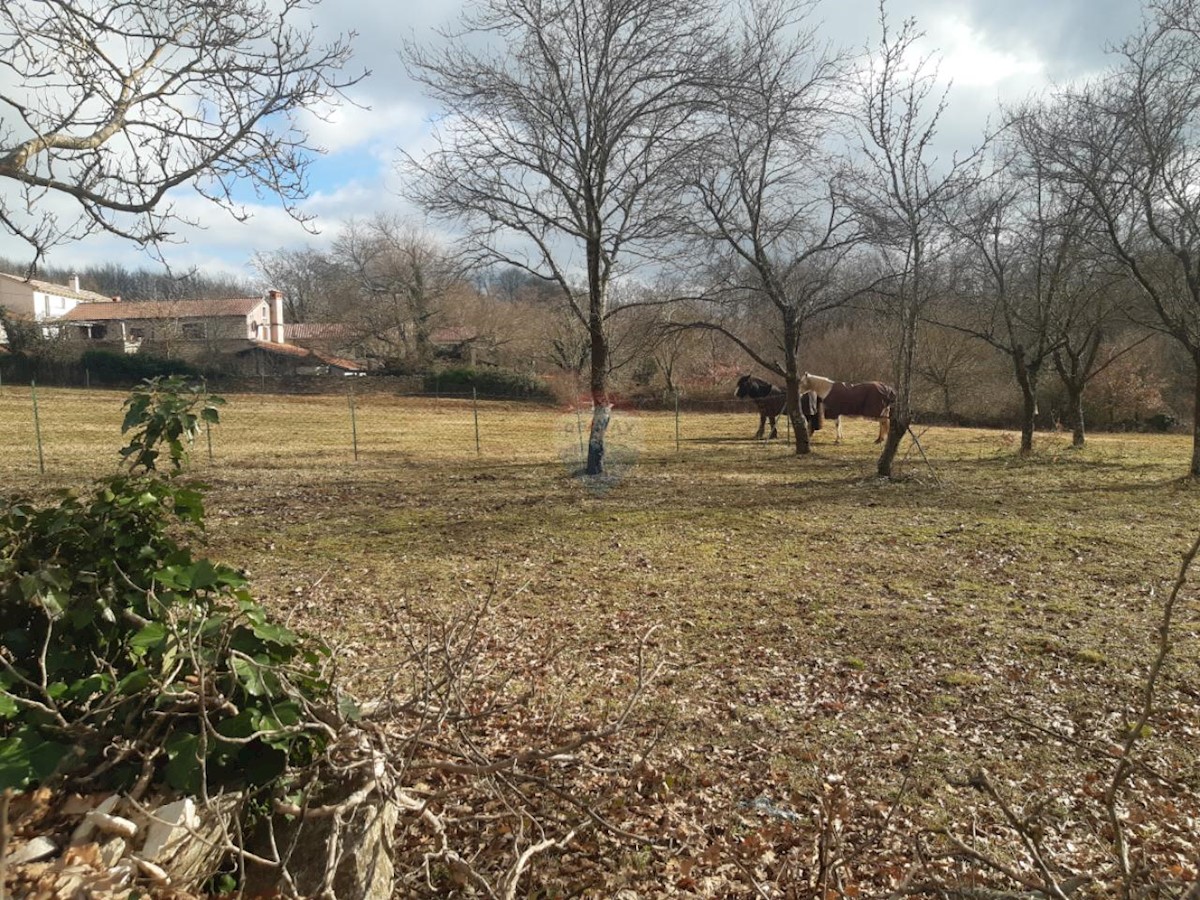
column 37, row 427
column 475, row 409
column 677, row 421
column 353, row 424
column 87, row 379
column 208, row 434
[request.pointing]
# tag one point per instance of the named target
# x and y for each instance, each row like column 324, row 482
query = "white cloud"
column 969, row 59
column 350, row 126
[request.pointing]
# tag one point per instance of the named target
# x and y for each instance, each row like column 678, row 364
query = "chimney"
column 275, row 308
column 75, row 283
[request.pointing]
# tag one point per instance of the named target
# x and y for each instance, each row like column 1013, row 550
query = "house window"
column 193, row 331
column 99, row 332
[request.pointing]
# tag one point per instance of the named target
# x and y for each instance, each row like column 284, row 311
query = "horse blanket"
column 870, row 399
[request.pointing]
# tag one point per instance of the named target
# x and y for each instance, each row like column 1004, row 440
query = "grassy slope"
column 816, row 621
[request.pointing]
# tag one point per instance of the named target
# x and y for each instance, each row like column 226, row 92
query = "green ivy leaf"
column 16, row 769
column 151, row 637
column 86, row 688
column 252, row 676
column 202, row 575
column 276, row 634
column 8, row 706
column 176, row 577
column 183, row 765
column 239, row 726
column 348, row 709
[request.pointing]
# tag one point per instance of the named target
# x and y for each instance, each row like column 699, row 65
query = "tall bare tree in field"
column 768, row 210
column 1028, row 257
column 106, row 106
column 401, row 278
column 903, row 194
column 1131, row 141
column 555, row 141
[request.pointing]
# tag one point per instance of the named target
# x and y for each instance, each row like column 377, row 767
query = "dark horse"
column 769, row 399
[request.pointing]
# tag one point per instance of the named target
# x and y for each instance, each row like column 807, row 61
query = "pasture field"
column 840, row 653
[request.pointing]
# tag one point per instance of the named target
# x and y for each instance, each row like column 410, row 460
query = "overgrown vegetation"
column 114, row 368
column 126, row 659
column 490, row 383
column 131, row 664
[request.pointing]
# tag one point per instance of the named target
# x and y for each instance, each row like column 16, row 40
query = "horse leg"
column 838, row 423
column 762, row 424
column 774, row 433
column 884, row 422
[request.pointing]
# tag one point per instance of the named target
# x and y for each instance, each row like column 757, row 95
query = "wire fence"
column 72, row 432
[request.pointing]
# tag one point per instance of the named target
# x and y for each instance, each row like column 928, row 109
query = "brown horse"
column 769, row 399
column 870, row 399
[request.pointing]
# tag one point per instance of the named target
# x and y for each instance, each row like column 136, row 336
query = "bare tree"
column 554, row 150
column 308, row 279
column 114, row 104
column 773, row 223
column 1132, row 143
column 401, row 277
column 1029, row 259
column 950, row 358
column 1095, row 335
column 903, row 195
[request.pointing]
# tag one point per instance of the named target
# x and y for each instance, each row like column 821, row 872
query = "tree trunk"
column 1195, row 470
column 1075, row 406
column 1027, row 378
column 601, row 408
column 1028, row 414
column 1071, row 373
column 601, row 415
column 901, row 413
column 897, row 428
column 796, row 417
column 791, row 340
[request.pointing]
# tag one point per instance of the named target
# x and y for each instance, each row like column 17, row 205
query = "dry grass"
column 816, row 620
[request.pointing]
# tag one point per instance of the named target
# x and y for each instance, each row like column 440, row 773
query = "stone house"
column 241, row 336
column 195, row 330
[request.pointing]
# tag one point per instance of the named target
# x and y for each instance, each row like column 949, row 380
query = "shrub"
column 492, row 383
column 123, row 657
column 111, row 367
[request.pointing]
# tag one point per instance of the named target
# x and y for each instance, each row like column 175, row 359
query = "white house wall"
column 41, row 305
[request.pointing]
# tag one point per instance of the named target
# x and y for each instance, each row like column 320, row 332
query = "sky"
column 990, row 53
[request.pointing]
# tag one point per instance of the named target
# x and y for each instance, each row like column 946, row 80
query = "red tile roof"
column 348, row 364
column 163, row 309
column 300, row 331
column 453, row 336
column 277, row 349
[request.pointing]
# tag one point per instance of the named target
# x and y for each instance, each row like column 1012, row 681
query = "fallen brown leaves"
column 840, row 654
